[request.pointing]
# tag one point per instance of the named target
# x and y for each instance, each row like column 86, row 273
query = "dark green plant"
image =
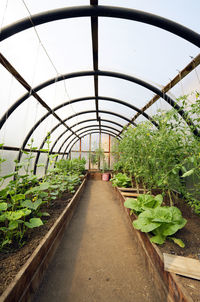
column 121, row 180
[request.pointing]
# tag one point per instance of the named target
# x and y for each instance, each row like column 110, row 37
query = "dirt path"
column 98, row 259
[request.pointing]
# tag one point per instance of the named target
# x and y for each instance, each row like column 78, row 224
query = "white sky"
column 141, row 50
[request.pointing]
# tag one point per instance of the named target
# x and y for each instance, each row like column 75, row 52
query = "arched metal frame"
column 105, row 11
column 88, row 134
column 86, row 121
column 132, row 79
column 92, row 126
column 101, row 11
column 81, row 122
column 75, row 101
column 70, row 117
column 65, row 151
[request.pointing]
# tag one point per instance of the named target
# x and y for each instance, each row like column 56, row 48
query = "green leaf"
column 40, row 214
column 159, row 239
column 7, row 176
column 159, row 200
column 31, row 205
column 33, row 223
column 171, row 229
column 132, row 204
column 145, row 225
column 188, row 173
column 45, row 186
column 18, row 197
column 178, row 241
column 13, row 225
column 3, row 206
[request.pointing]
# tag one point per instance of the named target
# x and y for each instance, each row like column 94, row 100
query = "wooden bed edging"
column 166, row 284
column 29, row 277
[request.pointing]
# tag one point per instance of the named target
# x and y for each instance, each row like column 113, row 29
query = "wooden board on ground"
column 130, row 189
column 130, row 194
column 182, row 266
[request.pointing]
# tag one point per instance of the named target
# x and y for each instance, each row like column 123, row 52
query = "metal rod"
column 22, row 81
column 101, row 11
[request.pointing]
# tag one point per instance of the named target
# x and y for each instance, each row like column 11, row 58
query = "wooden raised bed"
column 166, row 283
column 24, row 285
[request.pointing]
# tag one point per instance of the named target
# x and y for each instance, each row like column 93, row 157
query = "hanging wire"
column 8, row 103
column 4, row 14
column 181, row 84
column 47, row 54
column 195, row 68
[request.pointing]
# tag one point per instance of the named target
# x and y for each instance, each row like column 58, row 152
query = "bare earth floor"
column 98, row 259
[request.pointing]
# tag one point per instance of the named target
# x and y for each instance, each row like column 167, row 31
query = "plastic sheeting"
column 65, row 46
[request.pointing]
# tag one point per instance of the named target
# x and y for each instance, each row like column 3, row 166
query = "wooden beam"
column 183, row 73
column 22, row 81
column 183, row 266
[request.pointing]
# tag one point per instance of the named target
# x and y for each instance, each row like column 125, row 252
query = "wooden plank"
column 130, row 194
column 130, row 189
column 182, row 266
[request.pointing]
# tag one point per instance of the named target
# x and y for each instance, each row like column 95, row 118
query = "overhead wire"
column 47, row 54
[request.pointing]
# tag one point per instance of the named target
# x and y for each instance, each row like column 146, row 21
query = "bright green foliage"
column 143, row 202
column 121, row 180
column 162, row 222
column 22, row 201
column 33, row 223
column 163, row 158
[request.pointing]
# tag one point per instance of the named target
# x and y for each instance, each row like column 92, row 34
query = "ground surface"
column 98, row 259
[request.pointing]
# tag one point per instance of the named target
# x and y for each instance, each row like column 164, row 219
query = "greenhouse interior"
column 100, row 151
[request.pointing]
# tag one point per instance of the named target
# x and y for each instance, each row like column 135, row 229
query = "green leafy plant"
column 163, row 222
column 121, row 180
column 23, row 202
column 143, row 202
column 167, row 157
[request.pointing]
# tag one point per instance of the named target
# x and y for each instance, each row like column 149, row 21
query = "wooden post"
column 80, row 149
column 109, row 152
column 99, row 162
column 89, row 150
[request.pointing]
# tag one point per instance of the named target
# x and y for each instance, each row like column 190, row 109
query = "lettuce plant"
column 162, row 222
column 143, row 202
column 121, row 180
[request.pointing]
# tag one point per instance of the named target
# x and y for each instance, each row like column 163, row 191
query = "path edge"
column 28, row 279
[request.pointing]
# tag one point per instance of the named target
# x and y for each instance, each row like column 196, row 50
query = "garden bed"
column 176, row 288
column 22, row 270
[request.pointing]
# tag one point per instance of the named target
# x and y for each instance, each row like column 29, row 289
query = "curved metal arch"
column 74, row 101
column 101, row 11
column 81, row 122
column 89, row 126
column 74, row 139
column 132, row 79
column 70, row 117
column 86, row 135
column 86, row 132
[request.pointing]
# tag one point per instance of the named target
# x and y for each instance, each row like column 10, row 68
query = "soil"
column 190, row 235
column 12, row 261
